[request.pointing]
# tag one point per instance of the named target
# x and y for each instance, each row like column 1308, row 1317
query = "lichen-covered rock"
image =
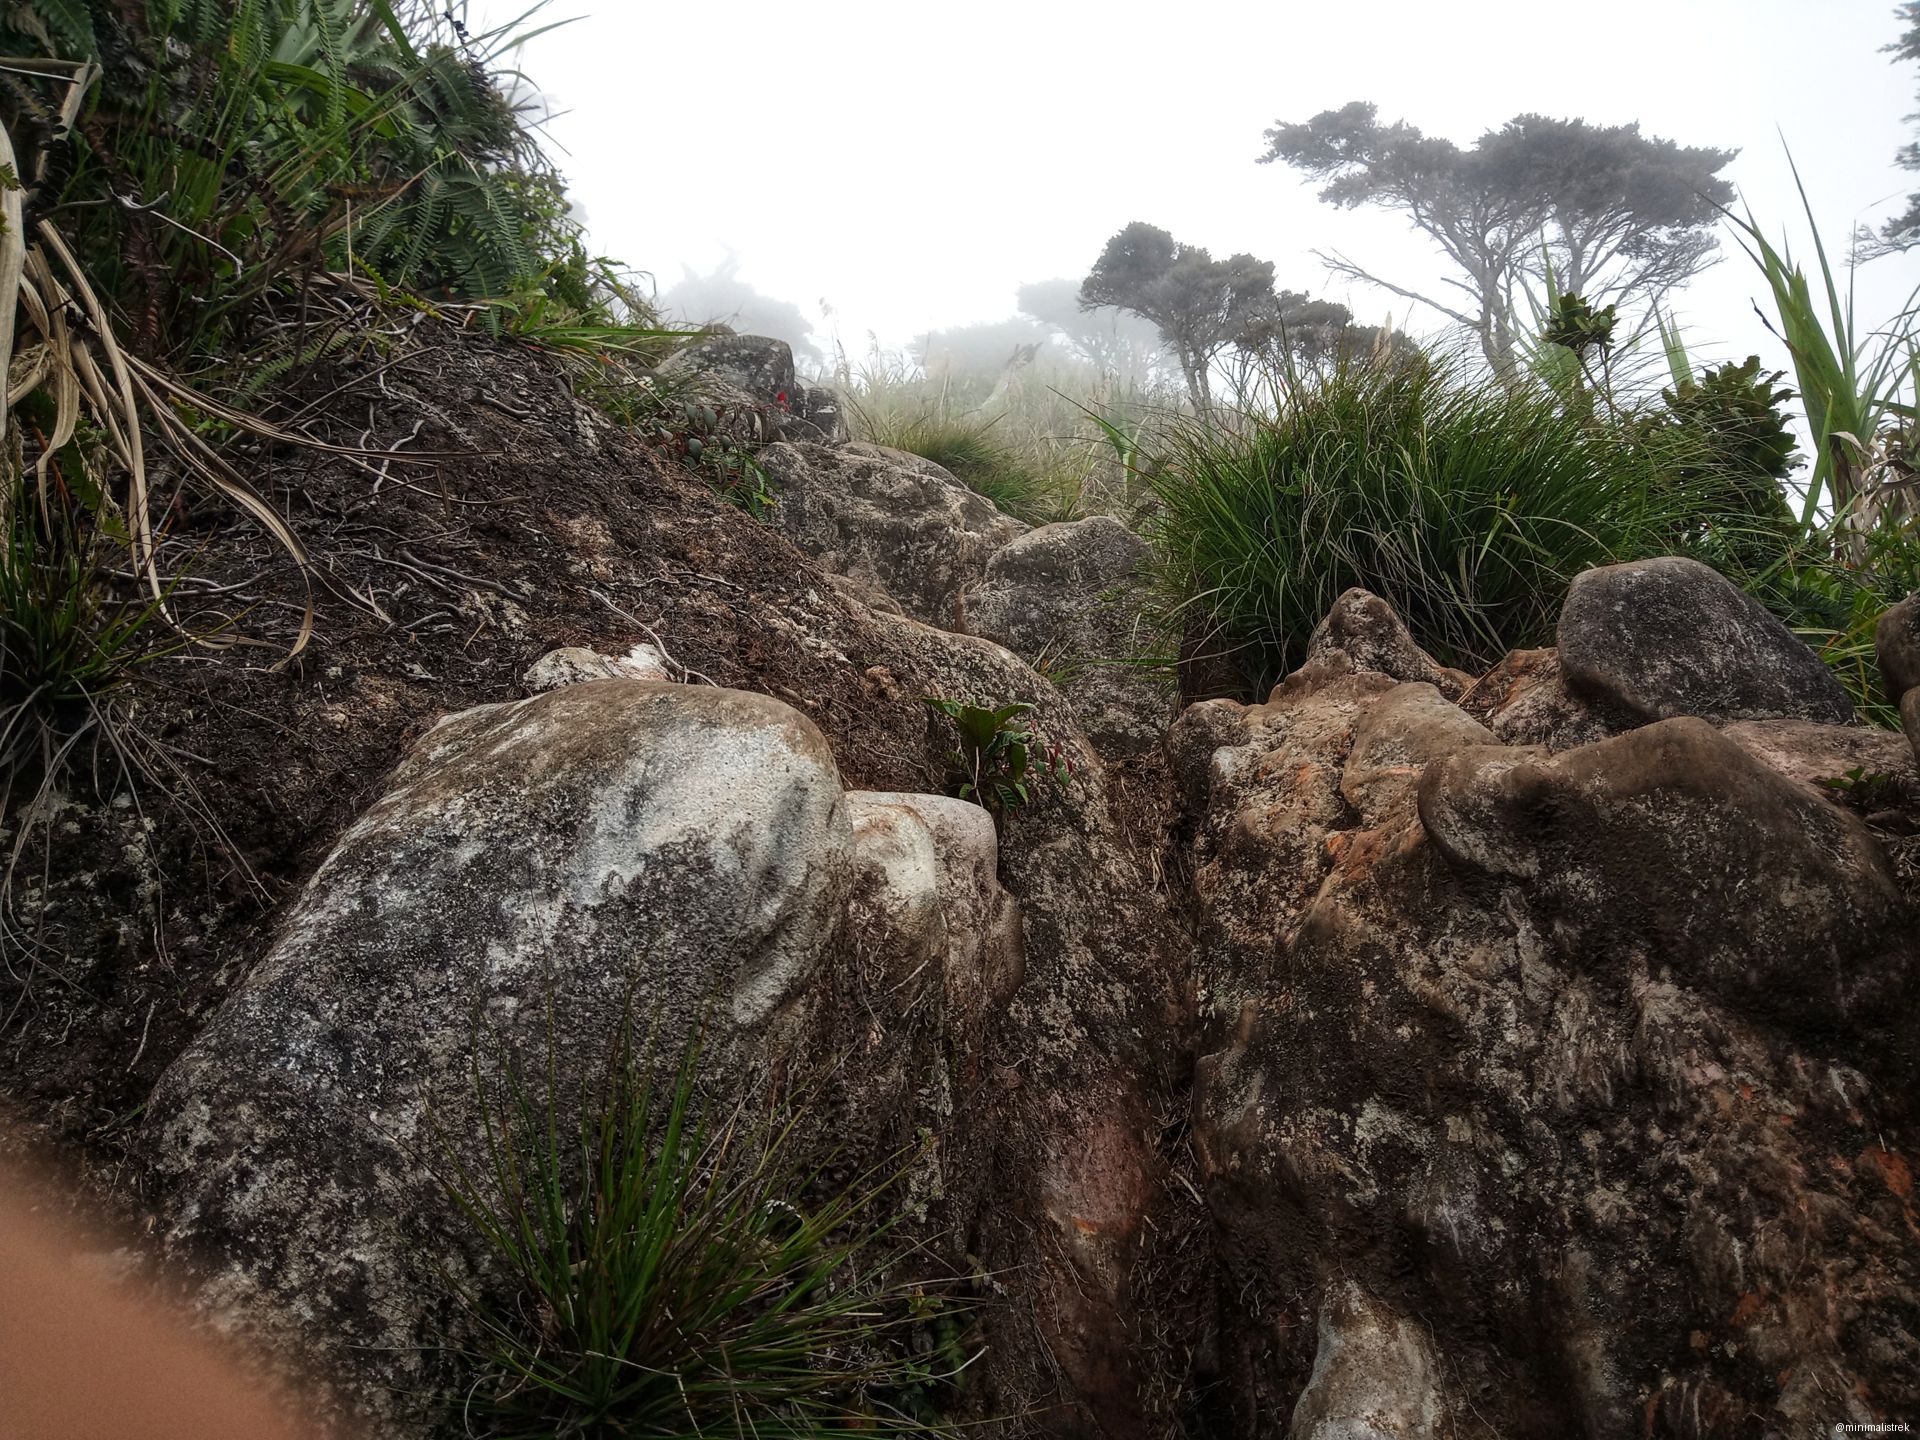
column 1374, row 1375
column 899, row 524
column 821, row 407
column 1362, row 632
column 751, row 380
column 575, row 664
column 1524, row 700
column 757, row 365
column 938, row 857
column 1827, row 757
column 535, row 873
column 1594, row 1066
column 1896, row 641
column 1669, row 637
column 1203, row 729
column 1657, row 841
column 1069, row 597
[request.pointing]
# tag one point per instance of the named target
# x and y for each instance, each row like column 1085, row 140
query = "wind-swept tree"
column 1619, row 217
column 1200, row 305
column 1903, row 231
column 1115, row 342
column 721, row 297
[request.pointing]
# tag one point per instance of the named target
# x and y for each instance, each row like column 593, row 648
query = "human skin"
column 84, row 1358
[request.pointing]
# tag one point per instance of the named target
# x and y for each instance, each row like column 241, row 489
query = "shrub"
column 675, row 1272
column 234, row 146
column 1466, row 504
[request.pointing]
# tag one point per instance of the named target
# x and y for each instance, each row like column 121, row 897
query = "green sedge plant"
column 1467, row 503
column 1855, row 544
column 676, row 1267
column 1858, row 386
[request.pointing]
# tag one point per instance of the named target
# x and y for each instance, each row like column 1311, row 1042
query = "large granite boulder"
column 1669, row 637
column 1524, row 700
column 537, row 875
column 897, row 523
column 1896, row 640
column 1657, row 841
column 752, row 381
column 1838, row 762
column 1546, row 1093
column 1071, row 599
column 1362, row 632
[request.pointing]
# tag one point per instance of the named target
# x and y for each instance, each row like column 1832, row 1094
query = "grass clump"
column 67, row 645
column 970, row 451
column 680, row 1270
column 1466, row 504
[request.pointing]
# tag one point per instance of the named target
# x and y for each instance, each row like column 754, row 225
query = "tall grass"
column 678, row 1269
column 1029, row 436
column 971, row 451
column 1467, row 504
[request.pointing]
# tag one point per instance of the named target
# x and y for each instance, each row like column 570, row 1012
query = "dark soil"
column 144, row 891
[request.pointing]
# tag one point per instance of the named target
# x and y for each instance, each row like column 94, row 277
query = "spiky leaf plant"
column 677, row 1268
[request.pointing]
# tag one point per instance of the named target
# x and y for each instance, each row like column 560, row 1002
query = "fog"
column 889, row 170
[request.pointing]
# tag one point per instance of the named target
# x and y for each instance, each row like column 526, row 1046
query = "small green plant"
column 1001, row 758
column 1859, row 783
column 700, row 437
column 66, row 645
column 1576, row 326
column 677, row 1272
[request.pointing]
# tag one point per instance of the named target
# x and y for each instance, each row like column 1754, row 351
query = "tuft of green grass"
column 971, row 452
column 1466, row 504
column 677, row 1269
column 65, row 644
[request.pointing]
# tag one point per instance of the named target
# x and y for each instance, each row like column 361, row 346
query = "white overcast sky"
column 911, row 164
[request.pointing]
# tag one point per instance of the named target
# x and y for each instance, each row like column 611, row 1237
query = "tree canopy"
column 1903, row 231
column 1617, row 215
column 722, row 297
column 1115, row 342
column 1200, row 305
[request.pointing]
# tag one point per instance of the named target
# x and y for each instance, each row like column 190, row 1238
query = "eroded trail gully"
column 1412, row 1054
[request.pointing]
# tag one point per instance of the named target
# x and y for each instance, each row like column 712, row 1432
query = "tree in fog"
column 1200, row 305
column 1115, row 342
column 1903, row 231
column 721, row 297
column 983, row 349
column 1297, row 331
column 1619, row 216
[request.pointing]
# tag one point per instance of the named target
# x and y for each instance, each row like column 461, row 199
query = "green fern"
column 65, row 27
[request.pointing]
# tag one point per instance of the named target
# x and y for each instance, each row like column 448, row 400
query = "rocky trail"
column 1409, row 1054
